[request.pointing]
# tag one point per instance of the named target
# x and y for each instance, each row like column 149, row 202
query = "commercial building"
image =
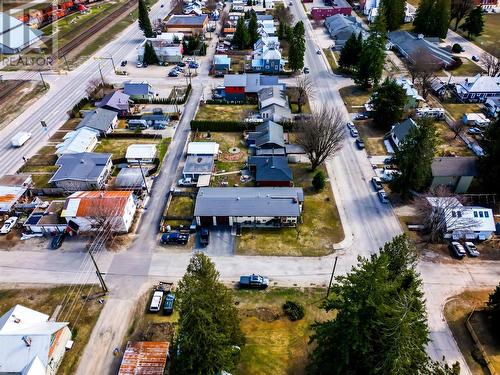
column 187, row 24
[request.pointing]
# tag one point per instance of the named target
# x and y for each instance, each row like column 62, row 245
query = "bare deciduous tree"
column 321, row 135
column 422, row 68
column 459, row 9
column 93, row 88
column 491, row 63
column 457, row 127
column 439, row 210
column 305, row 90
column 211, row 5
column 177, row 6
column 283, row 14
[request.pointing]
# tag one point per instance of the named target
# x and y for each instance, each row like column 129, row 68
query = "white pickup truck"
column 20, row 139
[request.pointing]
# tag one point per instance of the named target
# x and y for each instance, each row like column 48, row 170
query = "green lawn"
column 227, row 112
column 118, row 147
column 491, row 34
column 162, row 148
column 320, row 230
column 468, row 68
column 457, row 110
column 181, row 206
column 45, row 300
column 355, row 97
column 372, row 136
column 329, row 56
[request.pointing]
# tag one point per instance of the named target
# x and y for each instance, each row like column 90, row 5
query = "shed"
column 141, row 153
column 130, row 179
column 144, row 358
column 9, row 195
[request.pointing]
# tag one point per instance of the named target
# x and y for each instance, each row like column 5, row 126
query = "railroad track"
column 77, row 41
column 5, row 93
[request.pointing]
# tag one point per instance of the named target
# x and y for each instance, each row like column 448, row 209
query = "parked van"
column 156, row 301
column 135, row 123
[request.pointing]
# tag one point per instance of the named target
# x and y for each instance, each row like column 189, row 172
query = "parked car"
column 382, row 196
column 290, row 3
column 390, row 160
column 174, row 238
column 360, row 143
column 204, row 236
column 57, row 241
column 253, row 282
column 350, row 125
column 168, row 305
column 306, row 70
column 123, row 63
column 475, row 58
column 377, row 183
column 475, row 131
column 186, row 182
column 190, row 58
column 361, row 116
column 318, row 51
column 155, row 305
column 457, row 249
column 354, row 132
column 193, row 65
column 139, row 64
column 471, row 249
column 8, row 225
column 173, row 73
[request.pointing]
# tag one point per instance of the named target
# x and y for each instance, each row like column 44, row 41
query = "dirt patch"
column 15, row 97
column 265, row 314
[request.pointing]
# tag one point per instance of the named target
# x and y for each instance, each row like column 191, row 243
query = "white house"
column 92, row 210
column 144, row 153
column 81, row 140
column 203, row 148
column 468, row 222
column 401, row 130
column 475, row 119
column 478, row 88
column 30, row 343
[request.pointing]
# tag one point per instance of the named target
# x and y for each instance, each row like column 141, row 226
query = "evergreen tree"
column 489, row 164
column 433, row 18
column 144, row 22
column 297, row 47
column 388, row 103
column 371, row 61
column 150, row 56
column 414, row 158
column 351, row 52
column 208, row 322
column 319, row 181
column 494, row 308
column 241, row 37
column 423, row 17
column 379, row 27
column 474, row 23
column 253, row 28
column 394, row 13
column 442, row 11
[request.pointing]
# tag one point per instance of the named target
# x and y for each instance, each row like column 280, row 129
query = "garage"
column 222, row 220
column 206, row 221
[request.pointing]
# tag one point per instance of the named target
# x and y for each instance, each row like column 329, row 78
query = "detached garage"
column 249, row 206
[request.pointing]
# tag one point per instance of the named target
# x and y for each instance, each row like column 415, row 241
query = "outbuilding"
column 141, row 153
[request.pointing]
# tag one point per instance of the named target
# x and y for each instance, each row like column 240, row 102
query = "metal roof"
column 96, row 203
column 84, row 166
column 78, row 141
column 9, row 195
column 249, row 201
column 137, row 88
column 454, row 166
column 271, row 168
column 141, row 151
column 130, row 178
column 268, row 133
column 201, row 164
column 100, row 119
column 187, row 20
column 144, row 358
column 116, row 100
column 203, row 148
column 479, row 84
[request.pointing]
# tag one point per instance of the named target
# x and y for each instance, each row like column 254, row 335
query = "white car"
column 139, row 64
column 8, row 225
column 471, row 249
column 475, row 131
column 382, row 196
column 186, row 182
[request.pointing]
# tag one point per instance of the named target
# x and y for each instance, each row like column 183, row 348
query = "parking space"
column 222, row 242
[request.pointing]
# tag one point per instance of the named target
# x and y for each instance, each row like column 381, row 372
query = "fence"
column 478, row 344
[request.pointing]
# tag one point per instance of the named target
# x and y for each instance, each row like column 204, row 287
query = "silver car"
column 471, row 249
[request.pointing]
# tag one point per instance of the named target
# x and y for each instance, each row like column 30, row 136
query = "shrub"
column 319, row 181
column 294, row 310
column 457, row 48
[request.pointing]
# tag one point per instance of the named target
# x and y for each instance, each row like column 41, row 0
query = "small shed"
column 131, row 179
column 141, row 153
column 144, row 357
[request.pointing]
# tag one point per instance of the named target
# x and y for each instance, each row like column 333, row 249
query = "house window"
column 459, row 214
column 475, row 214
column 486, row 214
column 454, row 214
column 480, row 213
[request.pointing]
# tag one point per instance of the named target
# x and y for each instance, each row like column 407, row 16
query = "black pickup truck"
column 253, row 282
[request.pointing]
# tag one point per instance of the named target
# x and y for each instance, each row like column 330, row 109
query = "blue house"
column 138, row 90
column 222, row 64
column 268, row 60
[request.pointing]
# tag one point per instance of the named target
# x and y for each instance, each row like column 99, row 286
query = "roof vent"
column 199, row 160
column 237, row 198
column 27, row 340
column 16, row 319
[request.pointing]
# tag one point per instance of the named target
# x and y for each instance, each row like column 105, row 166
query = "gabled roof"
column 115, row 100
column 271, row 168
column 457, row 166
column 410, row 89
column 84, row 166
column 479, row 84
column 268, row 132
column 77, row 141
column 252, row 82
column 272, row 95
column 96, row 204
column 98, row 119
column 402, row 129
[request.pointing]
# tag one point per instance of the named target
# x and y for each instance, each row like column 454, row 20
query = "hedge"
column 230, row 126
column 133, row 135
column 165, row 100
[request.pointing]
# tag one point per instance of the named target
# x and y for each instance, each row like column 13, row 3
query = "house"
column 340, row 7
column 196, row 166
column 99, row 119
column 16, row 36
column 47, row 220
column 268, row 135
column 413, row 98
column 82, row 171
column 203, row 148
column 222, row 65
column 237, row 86
column 409, row 46
column 272, row 207
column 80, row 140
column 116, row 101
column 138, row 90
column 463, row 222
column 341, row 28
column 266, row 27
column 31, row 343
column 492, row 106
column 271, row 170
column 478, row 88
column 268, row 60
column 167, row 51
column 131, row 179
column 10, row 195
column 401, row 130
column 187, row 24
column 455, row 173
column 92, row 210
column 475, row 119
column 144, row 357
column 141, row 153
column 273, row 104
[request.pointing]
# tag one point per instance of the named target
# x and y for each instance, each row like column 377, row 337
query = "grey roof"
column 100, row 119
column 187, row 20
column 155, row 118
column 130, row 178
column 454, row 166
column 480, row 84
column 235, row 80
column 264, row 17
column 270, row 151
column 249, row 201
column 409, row 45
column 199, row 164
column 268, row 133
column 271, row 168
column 84, row 166
column 137, row 88
column 252, row 82
column 402, row 129
column 292, row 148
column 116, row 100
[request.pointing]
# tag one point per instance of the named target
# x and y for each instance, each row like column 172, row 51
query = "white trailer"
column 20, row 139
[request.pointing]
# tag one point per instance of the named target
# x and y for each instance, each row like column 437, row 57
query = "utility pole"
column 100, row 71
column 143, row 177
column 43, row 81
column 99, row 274
column 331, row 277
column 66, row 62
column 112, row 61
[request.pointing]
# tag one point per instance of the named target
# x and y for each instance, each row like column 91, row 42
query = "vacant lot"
column 224, row 112
column 448, row 144
column 181, row 206
column 355, row 97
column 457, row 110
column 491, row 34
column 373, row 137
column 82, row 317
column 320, row 230
column 456, row 311
column 118, row 147
column 274, row 344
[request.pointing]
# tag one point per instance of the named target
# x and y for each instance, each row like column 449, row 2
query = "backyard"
column 181, row 206
column 227, row 112
column 118, row 146
column 448, row 143
column 81, row 319
column 468, row 68
column 355, row 97
column 457, row 110
column 320, row 230
column 372, row 136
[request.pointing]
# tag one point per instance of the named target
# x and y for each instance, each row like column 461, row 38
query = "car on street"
column 361, row 116
column 204, row 236
column 168, row 305
column 475, row 131
column 8, row 225
column 123, row 63
column 162, row 5
column 174, row 238
column 457, row 249
column 360, row 143
column 382, row 196
column 354, row 132
column 190, row 58
column 377, row 183
column 475, row 58
column 318, row 52
column 306, row 70
column 57, row 241
column 350, row 125
column 253, row 282
column 139, row 64
column 290, row 3
column 193, row 65
column 471, row 249
column 155, row 304
column 173, row 73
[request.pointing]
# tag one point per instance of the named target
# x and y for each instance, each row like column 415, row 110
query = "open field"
column 224, row 112
column 320, row 230
column 355, row 97
column 448, row 144
column 45, row 300
column 456, row 311
column 181, row 206
column 491, row 34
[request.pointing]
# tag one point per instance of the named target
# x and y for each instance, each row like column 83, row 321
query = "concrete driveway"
column 222, row 243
